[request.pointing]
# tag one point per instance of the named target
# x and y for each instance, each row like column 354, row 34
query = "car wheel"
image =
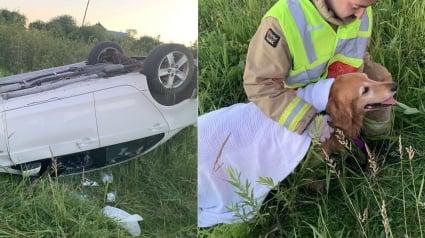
column 169, row 69
column 103, row 52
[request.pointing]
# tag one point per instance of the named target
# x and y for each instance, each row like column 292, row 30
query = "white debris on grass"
column 107, row 178
column 110, row 197
column 126, row 220
column 89, row 183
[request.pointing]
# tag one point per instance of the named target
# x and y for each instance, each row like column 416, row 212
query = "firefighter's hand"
column 320, row 129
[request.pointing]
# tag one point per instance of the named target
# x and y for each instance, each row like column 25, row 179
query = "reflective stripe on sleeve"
column 293, row 113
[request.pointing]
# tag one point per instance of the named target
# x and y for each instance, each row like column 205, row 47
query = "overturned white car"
column 97, row 113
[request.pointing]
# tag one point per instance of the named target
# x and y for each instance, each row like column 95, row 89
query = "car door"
column 4, row 150
column 58, row 122
column 124, row 114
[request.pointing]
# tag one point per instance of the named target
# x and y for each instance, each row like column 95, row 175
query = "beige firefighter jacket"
column 266, row 68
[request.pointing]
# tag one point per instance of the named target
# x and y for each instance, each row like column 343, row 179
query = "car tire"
column 169, row 69
column 101, row 52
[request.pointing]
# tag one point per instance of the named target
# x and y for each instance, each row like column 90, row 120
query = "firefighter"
column 306, row 43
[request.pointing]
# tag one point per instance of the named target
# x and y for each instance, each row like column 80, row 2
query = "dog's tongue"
column 389, row 101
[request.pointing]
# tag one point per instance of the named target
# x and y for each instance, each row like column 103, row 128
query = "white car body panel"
column 180, row 114
column 123, row 113
column 90, row 114
column 36, row 129
column 4, row 148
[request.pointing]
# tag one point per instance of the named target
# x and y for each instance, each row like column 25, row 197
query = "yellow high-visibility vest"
column 314, row 44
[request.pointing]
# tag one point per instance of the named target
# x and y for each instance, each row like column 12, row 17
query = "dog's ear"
column 345, row 116
column 341, row 115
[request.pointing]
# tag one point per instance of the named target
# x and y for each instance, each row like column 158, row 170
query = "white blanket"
column 257, row 147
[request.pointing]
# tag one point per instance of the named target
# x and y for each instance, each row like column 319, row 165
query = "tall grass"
column 386, row 199
column 225, row 28
column 158, row 186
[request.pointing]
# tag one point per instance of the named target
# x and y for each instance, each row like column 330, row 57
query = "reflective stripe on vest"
column 377, row 127
column 314, row 42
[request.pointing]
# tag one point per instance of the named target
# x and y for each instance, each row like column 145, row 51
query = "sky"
column 173, row 21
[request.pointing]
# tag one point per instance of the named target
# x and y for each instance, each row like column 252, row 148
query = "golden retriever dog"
column 240, row 145
column 352, row 95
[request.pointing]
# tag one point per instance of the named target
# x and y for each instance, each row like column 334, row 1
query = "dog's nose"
column 394, row 87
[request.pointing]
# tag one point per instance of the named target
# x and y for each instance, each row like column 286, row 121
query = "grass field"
column 385, row 200
column 159, row 186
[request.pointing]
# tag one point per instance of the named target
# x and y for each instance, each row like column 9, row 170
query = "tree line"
column 59, row 41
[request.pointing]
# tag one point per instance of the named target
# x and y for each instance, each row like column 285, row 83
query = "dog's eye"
column 365, row 90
